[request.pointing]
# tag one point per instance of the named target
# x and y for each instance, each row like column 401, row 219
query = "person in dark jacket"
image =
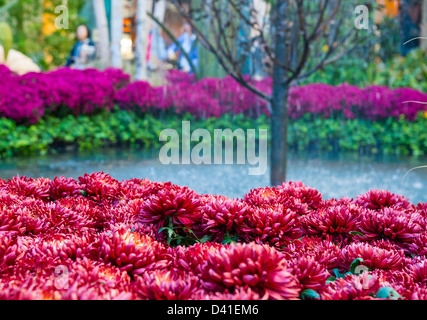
column 410, row 20
column 84, row 51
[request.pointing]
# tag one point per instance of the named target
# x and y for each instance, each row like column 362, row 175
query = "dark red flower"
column 221, row 215
column 379, row 199
column 324, row 251
column 274, row 225
column 100, row 186
column 336, row 221
column 63, row 187
column 298, row 190
column 180, row 206
column 391, row 224
column 310, row 273
column 259, row 267
column 373, row 257
column 162, row 285
column 29, row 187
column 352, row 287
column 131, row 251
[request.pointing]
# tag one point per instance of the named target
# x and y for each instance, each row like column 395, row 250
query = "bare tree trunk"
column 279, row 117
column 116, row 33
column 424, row 25
column 102, row 26
column 142, row 34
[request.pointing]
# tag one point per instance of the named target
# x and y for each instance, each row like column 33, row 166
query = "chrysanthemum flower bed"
column 98, row 238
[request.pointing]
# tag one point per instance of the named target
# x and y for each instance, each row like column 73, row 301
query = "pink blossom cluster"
column 99, row 238
column 29, row 97
column 65, row 91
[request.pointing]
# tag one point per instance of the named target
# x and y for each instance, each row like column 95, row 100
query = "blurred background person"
column 187, row 41
column 84, row 52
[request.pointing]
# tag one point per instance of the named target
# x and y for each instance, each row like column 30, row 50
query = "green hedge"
column 127, row 129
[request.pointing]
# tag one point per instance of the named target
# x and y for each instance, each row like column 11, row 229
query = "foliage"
column 129, row 129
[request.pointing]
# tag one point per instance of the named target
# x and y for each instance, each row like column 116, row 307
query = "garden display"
column 99, row 238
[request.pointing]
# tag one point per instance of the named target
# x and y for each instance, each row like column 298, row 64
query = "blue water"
column 334, row 175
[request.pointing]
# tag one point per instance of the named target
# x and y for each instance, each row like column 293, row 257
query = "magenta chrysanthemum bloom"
column 324, row 251
column 63, row 246
column 100, row 186
column 418, row 271
column 310, row 273
column 94, row 280
column 141, row 188
column 191, row 259
column 391, row 224
column 240, row 294
column 180, row 206
column 373, row 257
column 221, row 215
column 298, row 190
column 29, row 187
column 131, row 251
column 265, row 196
column 419, row 245
column 352, row 287
column 379, row 199
column 259, row 267
column 11, row 250
column 63, row 187
column 274, row 225
column 336, row 221
column 162, row 285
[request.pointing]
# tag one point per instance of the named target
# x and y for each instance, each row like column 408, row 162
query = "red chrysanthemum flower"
column 93, row 280
column 298, row 190
column 141, row 188
column 336, row 221
column 191, row 259
column 418, row 245
column 373, row 257
column 100, row 186
column 380, row 199
column 418, row 271
column 162, row 285
column 324, row 251
column 391, row 224
column 310, row 273
column 240, row 294
column 63, row 187
column 131, row 251
column 400, row 281
column 274, row 225
column 180, row 206
column 221, row 215
column 352, row 287
column 11, row 249
column 419, row 292
column 29, row 187
column 259, row 267
column 265, row 196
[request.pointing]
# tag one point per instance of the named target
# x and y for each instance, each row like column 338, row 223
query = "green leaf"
column 357, row 262
column 83, row 193
column 309, row 294
column 353, row 233
column 388, row 293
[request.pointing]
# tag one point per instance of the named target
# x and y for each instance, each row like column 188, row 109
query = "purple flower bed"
column 28, row 98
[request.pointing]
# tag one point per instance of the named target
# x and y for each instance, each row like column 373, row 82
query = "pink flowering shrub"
column 107, row 234
column 28, row 98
